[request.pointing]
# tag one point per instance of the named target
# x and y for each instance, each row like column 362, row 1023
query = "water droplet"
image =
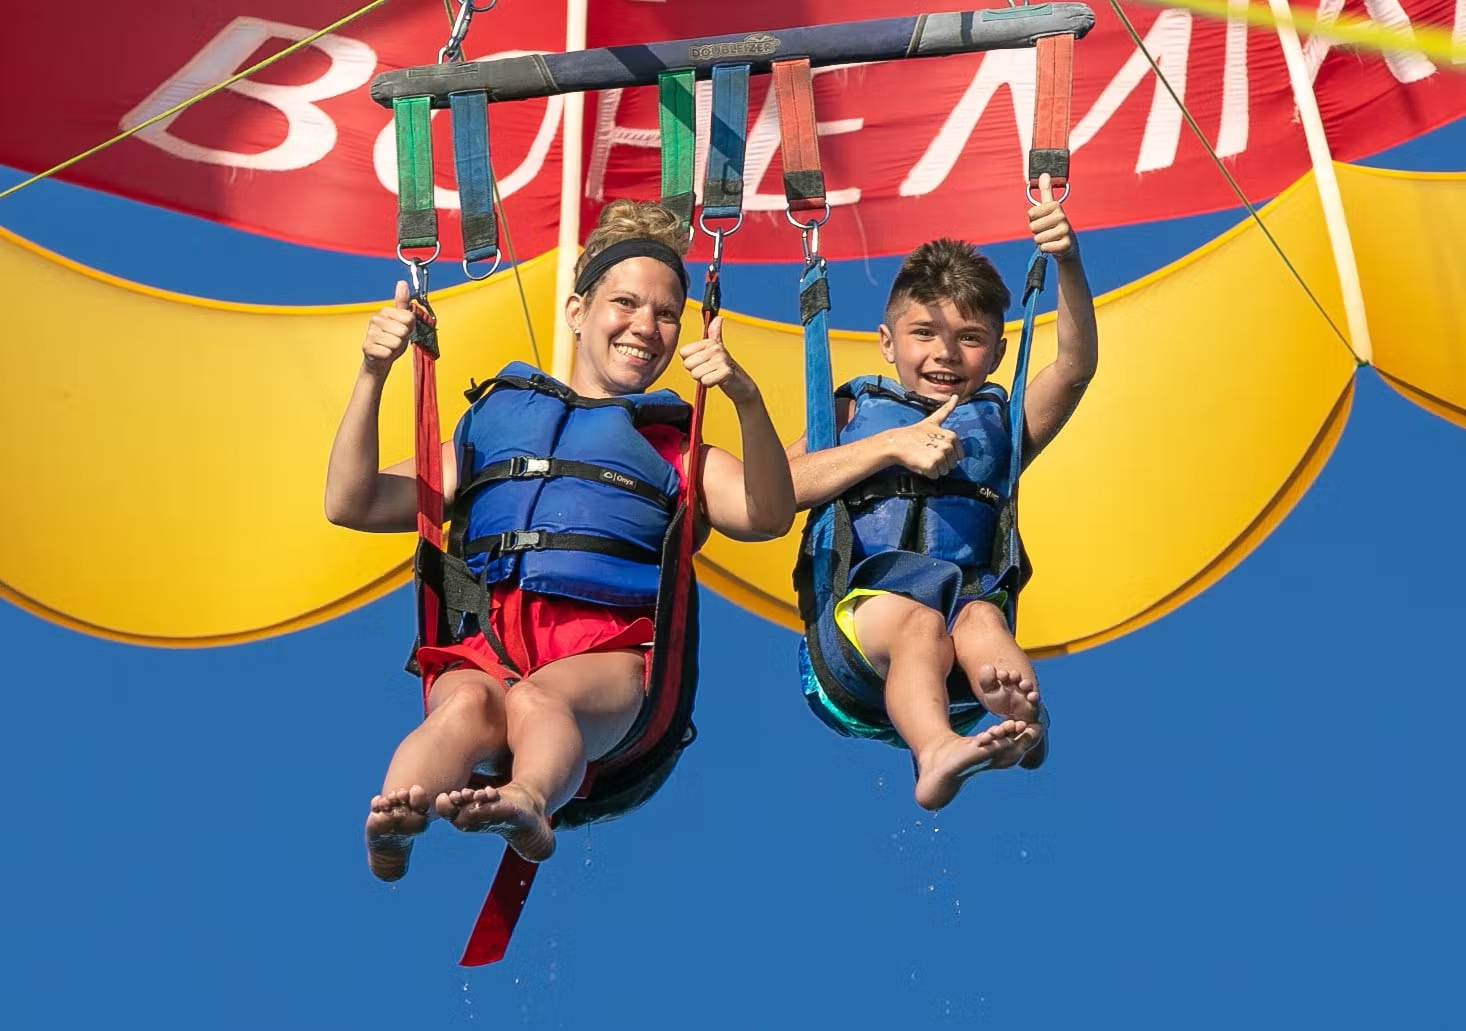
column 918, row 823
column 1023, row 853
column 931, row 887
column 465, row 986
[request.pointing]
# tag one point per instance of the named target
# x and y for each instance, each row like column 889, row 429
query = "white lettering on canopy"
column 310, row 134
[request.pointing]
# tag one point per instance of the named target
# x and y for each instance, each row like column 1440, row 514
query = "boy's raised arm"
column 1054, row 393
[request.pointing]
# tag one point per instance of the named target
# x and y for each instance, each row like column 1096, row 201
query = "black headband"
column 638, row 247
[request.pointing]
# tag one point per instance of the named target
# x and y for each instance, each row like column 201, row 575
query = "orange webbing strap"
column 1049, row 151
column 804, row 181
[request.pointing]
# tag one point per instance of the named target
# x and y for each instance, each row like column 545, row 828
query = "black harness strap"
column 543, row 540
column 909, row 485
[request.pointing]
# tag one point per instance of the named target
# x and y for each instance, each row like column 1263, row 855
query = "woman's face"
column 627, row 330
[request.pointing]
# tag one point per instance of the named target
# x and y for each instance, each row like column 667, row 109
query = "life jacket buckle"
column 519, row 540
column 907, row 487
column 522, row 466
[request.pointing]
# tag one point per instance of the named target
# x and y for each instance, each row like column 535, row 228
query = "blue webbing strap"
column 470, row 113
column 722, row 195
column 1033, row 288
column 819, row 385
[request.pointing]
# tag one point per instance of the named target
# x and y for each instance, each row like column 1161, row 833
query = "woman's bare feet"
column 395, row 818
column 511, row 812
column 945, row 766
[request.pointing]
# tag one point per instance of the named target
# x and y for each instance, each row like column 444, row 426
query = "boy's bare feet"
column 511, row 812
column 390, row 826
column 1007, row 693
column 944, row 767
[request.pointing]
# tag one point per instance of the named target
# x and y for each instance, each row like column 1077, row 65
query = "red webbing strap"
column 804, row 181
column 668, row 691
column 1049, row 151
column 428, row 453
column 494, row 927
column 429, row 449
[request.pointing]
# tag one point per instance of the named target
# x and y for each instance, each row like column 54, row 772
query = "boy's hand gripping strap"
column 1049, row 153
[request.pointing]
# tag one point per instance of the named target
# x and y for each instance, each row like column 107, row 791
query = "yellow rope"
column 1430, row 40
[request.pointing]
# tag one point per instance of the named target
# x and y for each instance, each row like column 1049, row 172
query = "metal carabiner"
column 453, row 49
column 717, row 234
column 417, row 277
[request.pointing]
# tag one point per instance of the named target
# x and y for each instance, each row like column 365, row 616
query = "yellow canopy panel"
column 1407, row 229
column 165, row 456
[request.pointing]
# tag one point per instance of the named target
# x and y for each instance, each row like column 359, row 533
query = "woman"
column 574, row 619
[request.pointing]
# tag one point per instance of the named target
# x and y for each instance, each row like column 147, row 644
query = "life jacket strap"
column 511, row 541
column 523, row 467
column 909, row 485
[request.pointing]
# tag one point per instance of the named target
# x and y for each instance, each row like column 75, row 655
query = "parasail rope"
column 307, row 41
column 518, row 282
column 1221, row 167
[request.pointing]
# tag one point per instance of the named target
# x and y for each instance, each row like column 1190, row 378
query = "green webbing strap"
column 678, row 128
column 417, row 218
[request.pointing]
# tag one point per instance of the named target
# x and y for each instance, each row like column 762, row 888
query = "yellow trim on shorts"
column 845, row 615
column 846, row 606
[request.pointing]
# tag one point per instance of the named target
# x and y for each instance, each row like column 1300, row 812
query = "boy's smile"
column 939, row 352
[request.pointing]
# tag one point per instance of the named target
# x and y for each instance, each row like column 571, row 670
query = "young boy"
column 918, row 645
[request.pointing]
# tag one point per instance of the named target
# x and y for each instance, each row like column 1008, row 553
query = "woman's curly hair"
column 630, row 220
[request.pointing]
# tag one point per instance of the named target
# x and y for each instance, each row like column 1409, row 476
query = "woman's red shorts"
column 535, row 630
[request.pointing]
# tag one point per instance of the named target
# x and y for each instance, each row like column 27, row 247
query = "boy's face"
column 939, row 352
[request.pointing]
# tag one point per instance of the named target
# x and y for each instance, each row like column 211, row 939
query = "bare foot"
column 511, row 812
column 1007, row 693
column 943, row 768
column 390, row 826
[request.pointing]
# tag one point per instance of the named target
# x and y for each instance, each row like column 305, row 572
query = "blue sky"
column 1250, row 816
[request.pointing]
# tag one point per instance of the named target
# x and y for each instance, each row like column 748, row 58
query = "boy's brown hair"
column 948, row 269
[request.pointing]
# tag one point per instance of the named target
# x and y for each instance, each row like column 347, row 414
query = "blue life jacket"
column 561, row 494
column 953, row 518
